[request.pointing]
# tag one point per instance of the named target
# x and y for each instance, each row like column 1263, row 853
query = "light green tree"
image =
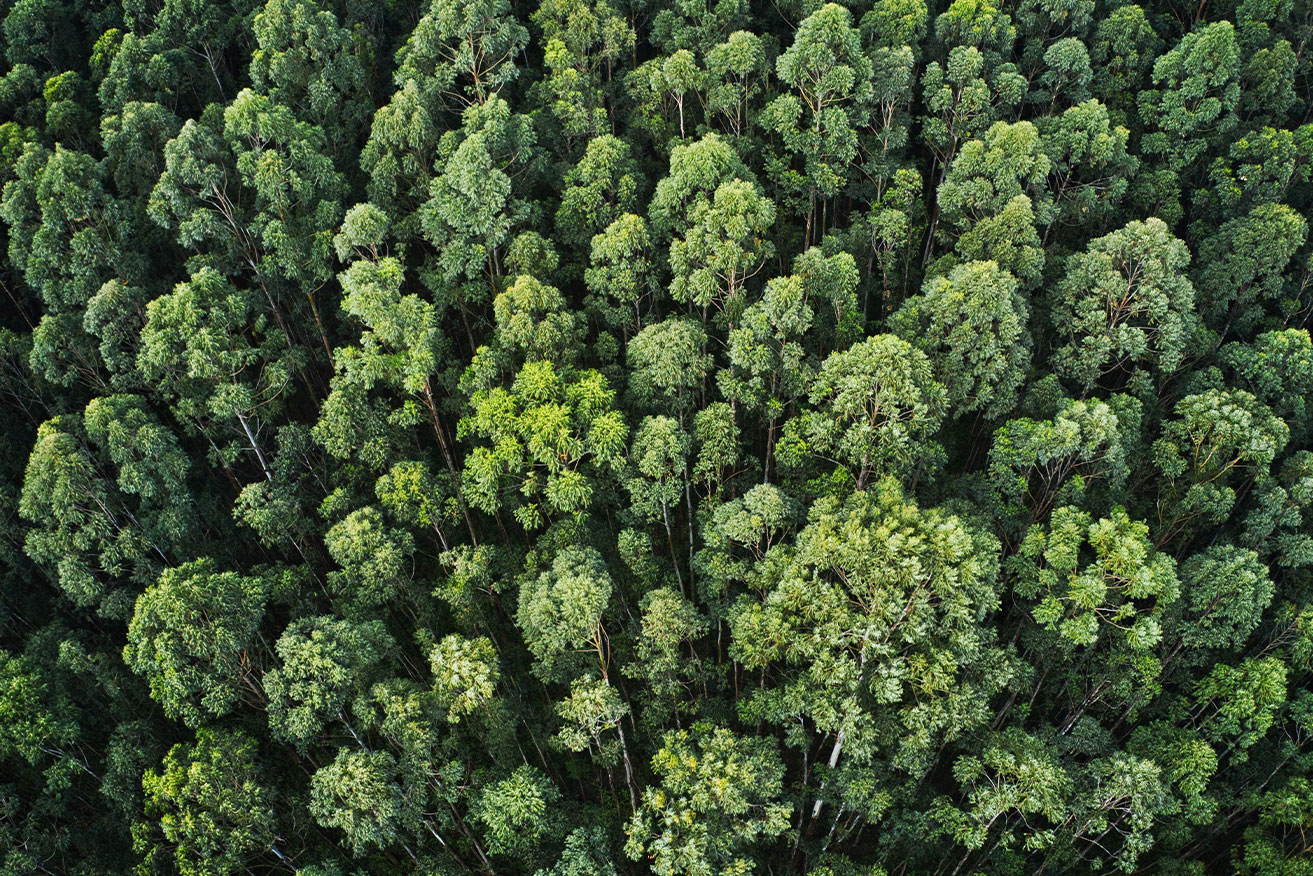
column 718, row 797
column 214, row 810
column 876, row 409
column 193, row 637
column 973, row 326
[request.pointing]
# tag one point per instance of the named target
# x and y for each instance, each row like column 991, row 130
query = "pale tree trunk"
column 255, row 445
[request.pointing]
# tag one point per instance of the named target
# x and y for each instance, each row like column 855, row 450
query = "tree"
column 323, row 662
column 1116, row 601
column 463, row 53
column 1067, row 74
column 193, row 637
column 1272, row 847
column 620, row 275
column 716, row 437
column 65, row 229
column 872, row 621
column 659, row 476
column 817, row 122
column 400, row 350
column 1125, row 304
column 515, row 813
column 888, row 236
column 669, row 364
column 358, row 794
column 1090, row 169
column 1278, row 369
column 587, row 853
column 991, row 199
column 184, row 50
column 307, row 61
column 978, row 25
column 372, row 556
column 769, row 366
column 472, row 206
column 549, row 436
column 724, row 247
column 697, row 170
column 601, row 188
column 1234, row 706
column 1122, row 52
column 210, row 348
column 213, row 809
column 768, row 369
column 38, row 721
column 580, row 39
column 972, row 325
column 1196, row 95
column 877, row 407
column 660, row 90
column 1240, row 268
column 134, row 140
column 670, row 623
column 560, row 614
column 1036, row 465
column 696, row 23
column 253, row 192
column 736, row 75
column 1226, row 589
column 1260, row 167
column 1216, row 440
column 1012, row 781
column 592, row 710
column 717, row 799
column 465, row 674
column 740, row 533
column 963, row 103
column 97, row 530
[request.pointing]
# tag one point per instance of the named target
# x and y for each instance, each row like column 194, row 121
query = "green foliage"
column 465, row 674
column 1197, row 93
column 560, row 612
column 548, row 437
column 877, row 405
column 612, row 437
column 722, row 250
column 1036, row 465
column 357, row 793
column 191, row 636
column 307, row 61
column 717, row 793
column 1123, row 304
column 212, row 807
column 514, row 813
column 1226, row 590
column 879, row 604
column 992, row 199
column 668, row 363
column 972, row 325
column 323, row 662
column 1108, row 597
column 600, row 189
column 1215, row 440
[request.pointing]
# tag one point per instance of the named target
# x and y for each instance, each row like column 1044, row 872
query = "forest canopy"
column 688, row 438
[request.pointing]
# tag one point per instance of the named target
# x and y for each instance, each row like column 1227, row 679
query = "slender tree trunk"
column 449, row 459
column 670, row 540
column 629, row 768
column 246, row 427
column 688, row 507
column 834, row 759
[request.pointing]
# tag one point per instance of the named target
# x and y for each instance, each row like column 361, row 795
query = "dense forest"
column 621, row 437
